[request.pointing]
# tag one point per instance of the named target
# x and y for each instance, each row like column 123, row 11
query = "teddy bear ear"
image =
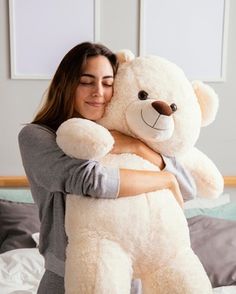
column 208, row 101
column 124, row 55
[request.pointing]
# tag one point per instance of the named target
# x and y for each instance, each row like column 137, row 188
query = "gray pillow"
column 214, row 241
column 18, row 221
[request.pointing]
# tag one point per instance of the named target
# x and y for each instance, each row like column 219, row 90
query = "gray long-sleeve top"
column 52, row 175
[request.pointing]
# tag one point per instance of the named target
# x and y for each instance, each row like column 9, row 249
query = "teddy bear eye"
column 173, row 106
column 142, row 95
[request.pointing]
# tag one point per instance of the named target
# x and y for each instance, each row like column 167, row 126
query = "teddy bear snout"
column 163, row 108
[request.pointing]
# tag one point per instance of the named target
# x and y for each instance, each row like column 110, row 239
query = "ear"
column 208, row 101
column 124, row 55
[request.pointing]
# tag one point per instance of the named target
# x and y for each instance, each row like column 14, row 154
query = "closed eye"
column 86, row 83
column 107, row 85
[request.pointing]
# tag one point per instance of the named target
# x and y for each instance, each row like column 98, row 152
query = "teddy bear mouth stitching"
column 152, row 126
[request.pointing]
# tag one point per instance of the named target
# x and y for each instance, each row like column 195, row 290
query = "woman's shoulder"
column 35, row 130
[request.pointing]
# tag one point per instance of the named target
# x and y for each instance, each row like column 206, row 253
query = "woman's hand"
column 127, row 144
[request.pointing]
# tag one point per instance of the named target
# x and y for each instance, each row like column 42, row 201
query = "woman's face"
column 95, row 88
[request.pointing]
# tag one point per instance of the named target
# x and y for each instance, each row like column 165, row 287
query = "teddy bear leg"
column 184, row 275
column 97, row 267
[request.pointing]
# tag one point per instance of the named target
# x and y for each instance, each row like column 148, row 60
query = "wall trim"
column 230, row 181
column 21, row 181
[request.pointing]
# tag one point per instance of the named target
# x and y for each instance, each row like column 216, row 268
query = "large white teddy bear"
column 110, row 242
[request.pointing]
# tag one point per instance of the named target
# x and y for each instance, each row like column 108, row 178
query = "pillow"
column 227, row 211
column 16, row 194
column 214, row 241
column 18, row 221
column 207, row 203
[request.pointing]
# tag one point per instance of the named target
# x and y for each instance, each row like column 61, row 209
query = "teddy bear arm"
column 208, row 179
column 84, row 139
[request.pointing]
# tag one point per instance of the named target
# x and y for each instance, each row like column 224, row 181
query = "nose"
column 163, row 108
column 98, row 89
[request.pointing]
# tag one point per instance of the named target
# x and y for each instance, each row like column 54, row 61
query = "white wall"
column 18, row 102
column 119, row 29
column 219, row 139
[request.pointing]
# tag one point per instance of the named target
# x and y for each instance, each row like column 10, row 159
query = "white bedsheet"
column 22, row 269
column 225, row 290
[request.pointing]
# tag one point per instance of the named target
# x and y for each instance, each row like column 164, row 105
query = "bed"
column 21, row 265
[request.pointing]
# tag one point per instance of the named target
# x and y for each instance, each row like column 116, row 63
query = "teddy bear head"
column 154, row 101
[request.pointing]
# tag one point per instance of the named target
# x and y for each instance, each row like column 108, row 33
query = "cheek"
column 109, row 94
column 77, row 102
column 79, row 93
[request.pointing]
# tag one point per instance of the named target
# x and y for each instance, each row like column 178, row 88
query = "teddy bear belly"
column 137, row 223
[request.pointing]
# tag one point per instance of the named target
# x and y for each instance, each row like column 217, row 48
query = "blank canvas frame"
column 41, row 32
column 192, row 34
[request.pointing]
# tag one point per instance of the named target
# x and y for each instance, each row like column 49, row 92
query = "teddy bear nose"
column 163, row 108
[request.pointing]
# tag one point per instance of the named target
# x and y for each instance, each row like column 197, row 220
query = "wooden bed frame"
column 21, row 181
column 13, row 181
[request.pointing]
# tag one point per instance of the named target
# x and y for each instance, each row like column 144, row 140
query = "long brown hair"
column 59, row 104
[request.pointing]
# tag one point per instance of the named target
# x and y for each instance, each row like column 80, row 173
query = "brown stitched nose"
column 163, row 108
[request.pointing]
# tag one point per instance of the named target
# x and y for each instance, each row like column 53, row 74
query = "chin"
column 96, row 116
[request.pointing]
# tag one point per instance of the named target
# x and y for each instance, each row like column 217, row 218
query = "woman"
column 82, row 87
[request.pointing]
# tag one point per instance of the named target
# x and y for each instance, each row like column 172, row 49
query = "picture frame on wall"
column 42, row 32
column 192, row 34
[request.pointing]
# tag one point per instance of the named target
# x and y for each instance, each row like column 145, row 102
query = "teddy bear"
column 112, row 241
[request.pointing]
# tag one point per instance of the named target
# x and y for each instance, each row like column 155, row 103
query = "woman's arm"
column 170, row 164
column 127, row 144
column 47, row 166
column 148, row 181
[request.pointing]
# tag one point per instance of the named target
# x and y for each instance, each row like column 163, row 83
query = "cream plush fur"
column 146, row 236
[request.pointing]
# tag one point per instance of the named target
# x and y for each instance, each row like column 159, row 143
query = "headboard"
column 21, row 181
column 13, row 181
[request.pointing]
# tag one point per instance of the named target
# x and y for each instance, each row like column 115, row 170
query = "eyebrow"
column 92, row 76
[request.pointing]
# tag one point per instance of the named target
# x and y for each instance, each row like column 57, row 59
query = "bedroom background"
column 118, row 29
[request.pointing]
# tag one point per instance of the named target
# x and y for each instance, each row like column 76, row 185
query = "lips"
column 96, row 104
